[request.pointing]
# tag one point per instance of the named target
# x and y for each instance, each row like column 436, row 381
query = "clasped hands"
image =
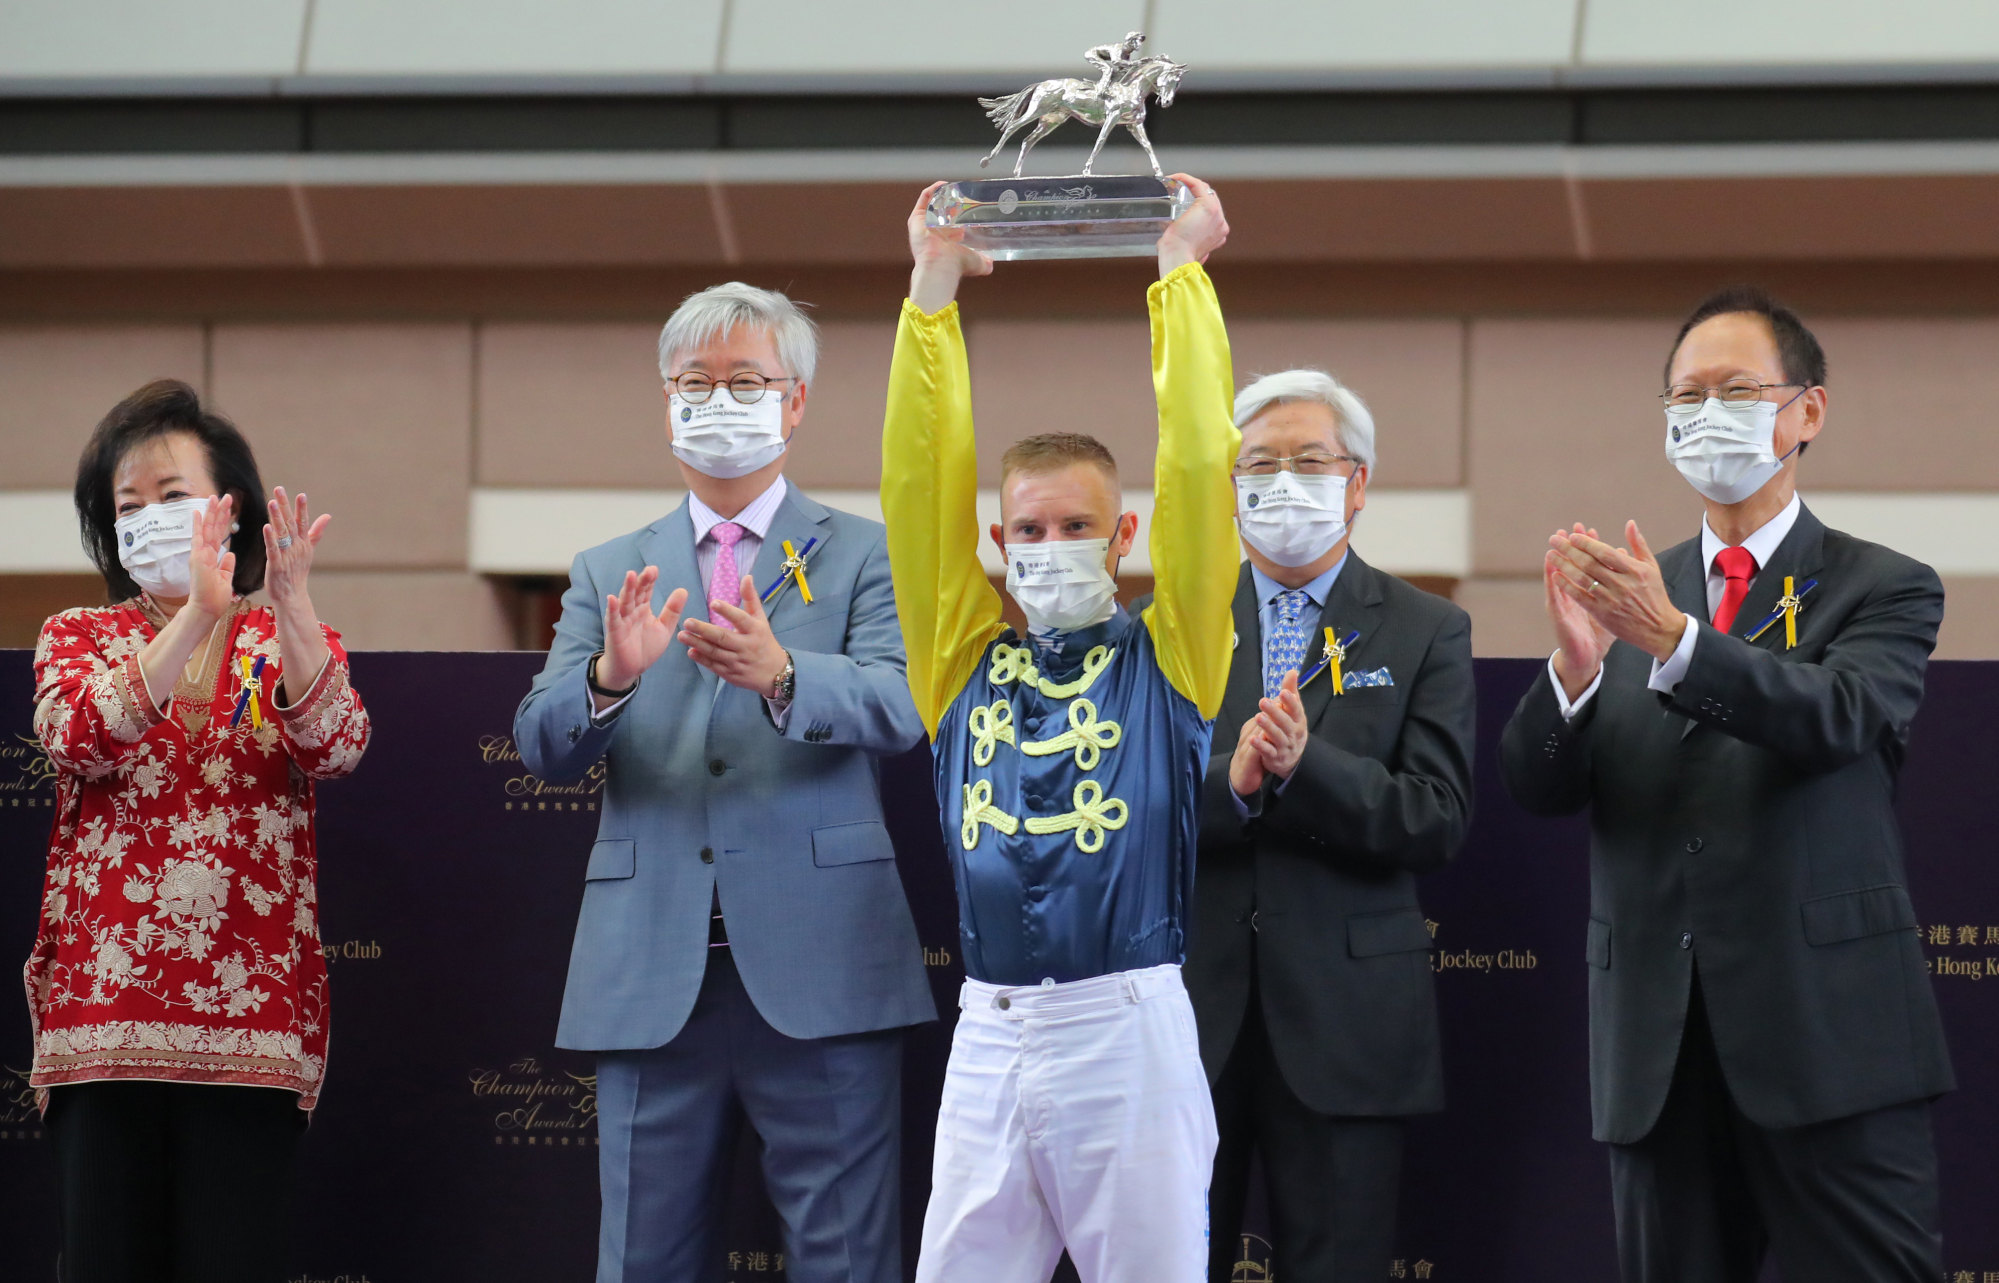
column 635, row 637
column 1272, row 742
column 1596, row 594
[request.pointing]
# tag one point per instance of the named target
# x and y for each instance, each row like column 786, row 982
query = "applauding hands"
column 1596, row 593
column 1272, row 742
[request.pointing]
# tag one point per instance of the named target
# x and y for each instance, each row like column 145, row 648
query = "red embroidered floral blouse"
column 179, row 935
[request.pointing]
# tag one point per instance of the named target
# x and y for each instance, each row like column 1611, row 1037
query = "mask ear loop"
column 1780, row 409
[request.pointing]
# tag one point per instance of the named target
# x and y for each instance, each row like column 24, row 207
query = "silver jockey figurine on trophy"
column 1124, row 81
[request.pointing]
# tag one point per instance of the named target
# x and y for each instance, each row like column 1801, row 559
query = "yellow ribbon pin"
column 794, row 565
column 253, row 686
column 1788, row 603
column 1334, row 654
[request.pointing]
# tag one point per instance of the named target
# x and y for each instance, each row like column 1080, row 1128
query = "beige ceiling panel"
column 514, row 37
column 922, row 36
column 122, row 38
column 1352, row 35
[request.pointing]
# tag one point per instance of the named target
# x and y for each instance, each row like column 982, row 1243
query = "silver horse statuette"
column 1124, row 81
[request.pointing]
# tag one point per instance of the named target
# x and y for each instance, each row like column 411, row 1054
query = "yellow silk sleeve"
column 1194, row 557
column 930, row 489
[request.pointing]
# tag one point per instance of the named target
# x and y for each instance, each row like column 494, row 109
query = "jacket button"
column 717, row 766
column 1686, row 939
column 707, row 855
column 575, row 733
column 1694, row 844
column 1036, row 892
column 1252, row 920
column 1004, row 1002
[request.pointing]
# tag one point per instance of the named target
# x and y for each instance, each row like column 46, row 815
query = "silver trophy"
column 1081, row 215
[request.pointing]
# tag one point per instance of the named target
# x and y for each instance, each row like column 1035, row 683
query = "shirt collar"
column 1762, row 545
column 1319, row 589
column 755, row 517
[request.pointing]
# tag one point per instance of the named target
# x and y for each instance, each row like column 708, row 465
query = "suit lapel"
column 1245, row 685
column 1799, row 556
column 1353, row 606
column 799, row 519
column 1686, row 585
column 669, row 544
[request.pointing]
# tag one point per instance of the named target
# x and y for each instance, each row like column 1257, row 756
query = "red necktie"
column 1739, row 564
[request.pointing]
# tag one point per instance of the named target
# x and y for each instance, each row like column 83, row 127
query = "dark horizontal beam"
column 40, row 126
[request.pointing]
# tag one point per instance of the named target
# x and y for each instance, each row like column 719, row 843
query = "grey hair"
column 1351, row 417
column 707, row 315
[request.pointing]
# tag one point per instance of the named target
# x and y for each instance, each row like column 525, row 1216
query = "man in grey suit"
column 1764, row 1042
column 744, row 949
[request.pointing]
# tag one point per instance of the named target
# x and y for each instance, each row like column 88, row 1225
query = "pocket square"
column 1372, row 677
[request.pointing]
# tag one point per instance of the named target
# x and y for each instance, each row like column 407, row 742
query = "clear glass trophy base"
column 1121, row 216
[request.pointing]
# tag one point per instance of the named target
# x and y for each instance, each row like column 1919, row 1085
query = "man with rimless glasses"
column 1340, row 770
column 744, row 951
column 1764, row 1042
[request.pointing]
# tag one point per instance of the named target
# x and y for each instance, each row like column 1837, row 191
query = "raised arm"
column 930, row 478
column 1194, row 561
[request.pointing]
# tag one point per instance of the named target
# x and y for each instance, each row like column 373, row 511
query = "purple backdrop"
column 454, row 1143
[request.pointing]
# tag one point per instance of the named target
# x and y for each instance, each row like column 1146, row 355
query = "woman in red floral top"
column 177, row 987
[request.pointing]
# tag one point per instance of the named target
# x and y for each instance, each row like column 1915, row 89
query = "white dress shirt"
column 1666, row 674
column 755, row 519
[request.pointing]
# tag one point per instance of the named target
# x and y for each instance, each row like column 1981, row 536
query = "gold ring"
column 1593, row 585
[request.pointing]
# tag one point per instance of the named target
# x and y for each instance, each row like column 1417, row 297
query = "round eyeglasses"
column 747, row 388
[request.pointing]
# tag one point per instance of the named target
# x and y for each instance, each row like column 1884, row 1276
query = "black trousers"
column 1708, row 1193
column 174, row 1182
column 1333, row 1181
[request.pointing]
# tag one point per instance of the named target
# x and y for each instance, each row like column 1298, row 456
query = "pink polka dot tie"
column 725, row 584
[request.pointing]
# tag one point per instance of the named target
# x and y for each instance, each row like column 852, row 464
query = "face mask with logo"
column 724, row 438
column 1290, row 519
column 154, row 544
column 1061, row 584
column 1727, row 454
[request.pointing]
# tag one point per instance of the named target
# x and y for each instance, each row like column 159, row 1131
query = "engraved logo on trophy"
column 1057, row 217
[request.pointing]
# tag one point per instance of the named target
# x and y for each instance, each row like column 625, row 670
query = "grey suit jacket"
column 1745, row 825
column 705, row 797
column 1317, row 892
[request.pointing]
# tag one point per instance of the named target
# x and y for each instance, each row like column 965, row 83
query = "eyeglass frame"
column 1665, row 397
column 1283, row 462
column 729, row 383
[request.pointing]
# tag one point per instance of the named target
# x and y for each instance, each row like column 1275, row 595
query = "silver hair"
column 1351, row 417
column 707, row 315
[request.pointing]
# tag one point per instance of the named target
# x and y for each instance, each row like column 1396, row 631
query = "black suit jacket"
column 1746, row 824
column 1318, row 890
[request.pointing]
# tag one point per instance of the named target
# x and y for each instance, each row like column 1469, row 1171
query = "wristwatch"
column 786, row 684
column 590, row 676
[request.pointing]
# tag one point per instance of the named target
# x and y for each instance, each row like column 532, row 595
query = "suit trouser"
column 1074, row 1115
column 180, row 1182
column 1708, row 1193
column 828, row 1112
column 1333, row 1181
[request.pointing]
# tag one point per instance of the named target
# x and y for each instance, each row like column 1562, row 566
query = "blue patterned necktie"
column 1284, row 649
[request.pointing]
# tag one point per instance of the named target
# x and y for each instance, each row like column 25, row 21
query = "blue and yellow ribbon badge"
column 253, row 687
column 1787, row 610
column 793, row 568
column 1334, row 655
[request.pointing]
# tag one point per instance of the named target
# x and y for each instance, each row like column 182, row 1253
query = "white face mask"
column 724, row 438
column 1725, row 454
column 154, row 543
column 1061, row 584
column 1290, row 519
